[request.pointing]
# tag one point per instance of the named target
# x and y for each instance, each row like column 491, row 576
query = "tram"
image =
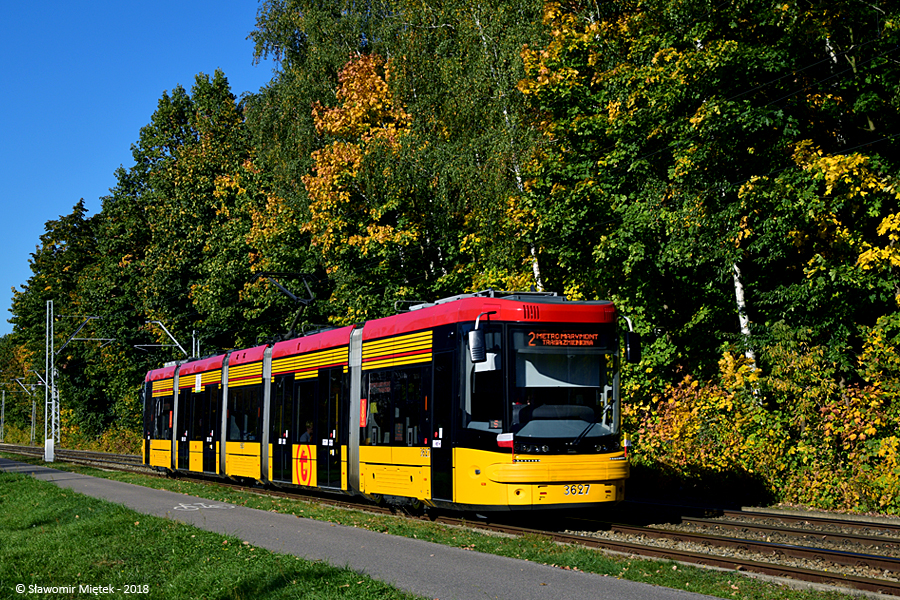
column 486, row 401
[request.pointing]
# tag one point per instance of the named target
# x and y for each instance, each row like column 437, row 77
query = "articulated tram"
column 487, row 401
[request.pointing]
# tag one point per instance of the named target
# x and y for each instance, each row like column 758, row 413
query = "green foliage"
column 15, row 362
column 666, row 126
column 797, row 432
column 190, row 143
column 430, row 211
column 68, row 249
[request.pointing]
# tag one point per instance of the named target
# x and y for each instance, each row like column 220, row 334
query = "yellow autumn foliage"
column 367, row 117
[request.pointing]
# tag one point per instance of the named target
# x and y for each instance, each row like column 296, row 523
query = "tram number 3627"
column 580, row 489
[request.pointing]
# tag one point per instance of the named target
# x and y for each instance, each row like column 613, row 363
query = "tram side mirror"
column 476, row 345
column 476, row 340
column 632, row 347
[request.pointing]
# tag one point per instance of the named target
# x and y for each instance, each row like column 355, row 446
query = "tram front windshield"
column 562, row 387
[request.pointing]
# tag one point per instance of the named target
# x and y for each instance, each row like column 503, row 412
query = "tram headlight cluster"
column 532, row 448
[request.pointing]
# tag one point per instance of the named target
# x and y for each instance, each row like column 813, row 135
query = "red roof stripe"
column 242, row 357
column 199, row 366
column 319, row 341
column 157, row 374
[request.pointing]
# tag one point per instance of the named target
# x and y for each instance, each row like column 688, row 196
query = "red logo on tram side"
column 304, row 465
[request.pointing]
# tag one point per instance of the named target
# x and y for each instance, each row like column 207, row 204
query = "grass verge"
column 723, row 584
column 55, row 543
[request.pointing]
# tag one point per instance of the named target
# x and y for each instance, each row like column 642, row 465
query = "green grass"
column 50, row 537
column 534, row 548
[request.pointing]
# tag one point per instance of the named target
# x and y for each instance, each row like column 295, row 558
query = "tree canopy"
column 727, row 173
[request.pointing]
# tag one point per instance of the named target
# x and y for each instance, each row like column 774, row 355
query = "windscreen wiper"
column 581, row 435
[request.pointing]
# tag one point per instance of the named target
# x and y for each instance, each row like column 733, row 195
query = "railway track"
column 854, row 552
column 710, row 558
column 107, row 460
column 820, row 538
column 861, row 555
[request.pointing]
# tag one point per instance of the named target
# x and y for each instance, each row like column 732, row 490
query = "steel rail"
column 106, row 459
column 819, row 536
column 839, row 557
column 811, row 520
column 770, row 569
column 681, row 512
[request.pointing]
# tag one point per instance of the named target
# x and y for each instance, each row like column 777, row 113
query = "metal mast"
column 51, row 394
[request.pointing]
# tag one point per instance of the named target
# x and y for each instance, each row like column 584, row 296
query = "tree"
column 68, row 248
column 450, row 183
column 369, row 218
column 457, row 68
column 191, row 142
column 155, row 241
column 16, row 362
column 654, row 116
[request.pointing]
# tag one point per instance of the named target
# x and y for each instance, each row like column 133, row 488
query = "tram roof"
column 161, row 373
column 202, row 365
column 249, row 355
column 522, row 309
column 318, row 341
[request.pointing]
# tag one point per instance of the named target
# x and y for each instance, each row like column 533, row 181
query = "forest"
column 728, row 173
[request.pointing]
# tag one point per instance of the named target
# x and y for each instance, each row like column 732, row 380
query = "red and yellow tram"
column 487, row 401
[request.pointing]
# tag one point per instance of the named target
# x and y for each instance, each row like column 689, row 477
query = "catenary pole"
column 51, row 417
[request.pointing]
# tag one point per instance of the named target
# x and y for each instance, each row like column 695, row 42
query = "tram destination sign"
column 589, row 339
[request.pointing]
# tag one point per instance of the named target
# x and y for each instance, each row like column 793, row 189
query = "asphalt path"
column 423, row 568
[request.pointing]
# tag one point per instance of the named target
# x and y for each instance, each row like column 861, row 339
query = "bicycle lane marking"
column 199, row 505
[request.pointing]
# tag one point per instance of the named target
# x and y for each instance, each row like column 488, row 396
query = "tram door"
column 149, row 411
column 306, row 394
column 328, row 428
column 441, row 444
column 282, row 433
column 208, row 426
column 181, row 431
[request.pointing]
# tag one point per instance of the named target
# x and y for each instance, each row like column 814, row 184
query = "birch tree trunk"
column 742, row 313
column 495, row 59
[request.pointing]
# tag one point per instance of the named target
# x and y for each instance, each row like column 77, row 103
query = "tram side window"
column 204, row 411
column 395, row 409
column 198, row 405
column 214, row 402
column 283, row 424
column 244, row 414
column 184, row 411
column 407, row 385
column 377, row 428
column 483, row 398
column 149, row 406
column 306, row 390
column 162, row 418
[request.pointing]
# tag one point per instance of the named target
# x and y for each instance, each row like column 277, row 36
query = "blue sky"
column 79, row 80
